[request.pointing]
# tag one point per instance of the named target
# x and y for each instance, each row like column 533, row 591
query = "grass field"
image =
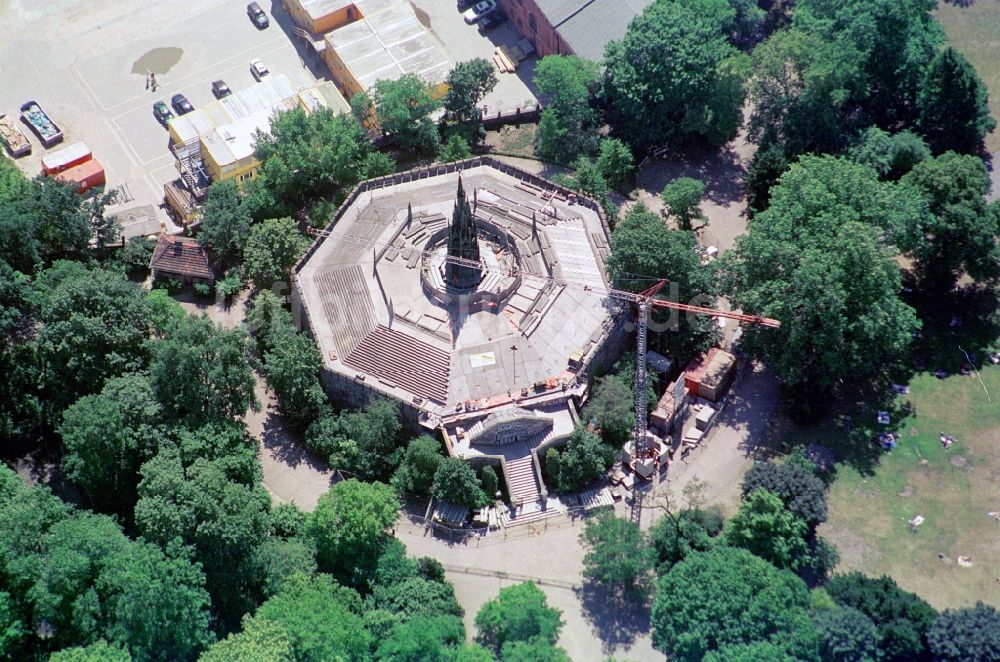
column 952, row 489
column 975, row 32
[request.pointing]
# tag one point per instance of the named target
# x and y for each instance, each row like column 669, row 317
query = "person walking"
column 152, row 82
column 147, row 81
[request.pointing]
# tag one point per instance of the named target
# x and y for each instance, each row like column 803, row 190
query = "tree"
column 519, row 613
column 846, row 635
column 108, row 436
column 618, row 555
column 349, row 526
column 803, row 91
column 643, row 248
column 681, row 198
column 954, row 112
column 415, row 597
column 971, row 634
column 320, row 618
column 490, row 481
column 136, row 254
column 822, row 244
column 763, row 526
column 612, row 406
column 568, row 126
column 765, row 168
column 268, row 321
column 728, row 596
column 456, row 148
column 94, row 323
column 892, row 156
column 901, row 617
column 403, row 107
column 278, row 559
column 421, row 461
column 584, row 459
column 960, row 233
column 164, row 311
column 468, row 83
column 802, row 492
column 422, row 639
column 616, row 163
column 553, row 465
column 470, row 653
column 361, row 441
column 536, row 649
column 673, row 537
column 674, row 75
column 261, row 640
column 293, row 370
column 202, row 373
column 587, row 179
column 307, row 156
column 155, row 605
column 99, row 651
column 456, row 482
column 225, row 223
column 271, row 251
column 222, row 520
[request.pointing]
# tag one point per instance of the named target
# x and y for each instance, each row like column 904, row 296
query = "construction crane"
column 643, row 301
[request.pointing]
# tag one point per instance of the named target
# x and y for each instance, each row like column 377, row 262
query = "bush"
column 173, row 286
column 456, row 149
column 204, row 289
column 490, row 481
column 230, row 285
column 136, row 254
column 552, row 464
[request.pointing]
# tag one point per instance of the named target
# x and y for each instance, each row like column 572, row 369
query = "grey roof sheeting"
column 588, row 25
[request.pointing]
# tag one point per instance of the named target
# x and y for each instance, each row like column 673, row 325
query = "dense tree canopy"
column 901, row 617
column 892, row 156
column 954, row 114
column 403, row 107
column 960, row 233
column 361, row 441
column 800, row 490
column 729, row 596
column 644, row 250
column 225, row 223
column 293, row 368
column 201, row 372
column 271, row 251
column 674, row 74
column 261, row 640
column 456, row 482
column 420, row 463
column 971, row 634
column 673, row 537
column 617, row 554
column 818, row 261
column 583, row 460
column 568, row 126
column 519, row 613
column 468, row 83
column 681, row 198
column 765, row 527
column 846, row 635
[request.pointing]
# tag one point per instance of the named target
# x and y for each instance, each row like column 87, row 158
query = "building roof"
column 184, row 257
column 709, row 368
column 588, row 25
column 235, row 141
column 388, row 42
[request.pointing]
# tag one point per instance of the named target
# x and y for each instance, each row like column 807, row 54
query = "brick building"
column 573, row 27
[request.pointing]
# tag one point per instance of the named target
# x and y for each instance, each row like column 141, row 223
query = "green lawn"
column 975, row 32
column 952, row 489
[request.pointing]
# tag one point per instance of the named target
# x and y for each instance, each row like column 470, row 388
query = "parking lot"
column 85, row 63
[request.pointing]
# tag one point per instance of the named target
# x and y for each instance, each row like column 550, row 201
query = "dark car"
column 220, row 89
column 181, row 104
column 162, row 113
column 465, row 4
column 491, row 21
column 257, row 15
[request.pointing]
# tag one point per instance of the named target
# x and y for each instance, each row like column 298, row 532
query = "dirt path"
column 291, row 475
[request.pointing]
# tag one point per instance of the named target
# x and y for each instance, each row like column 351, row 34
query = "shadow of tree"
column 287, row 447
column 617, row 619
column 719, row 168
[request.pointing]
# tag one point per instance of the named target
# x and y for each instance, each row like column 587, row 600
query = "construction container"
column 15, row 140
column 65, row 158
column 86, row 176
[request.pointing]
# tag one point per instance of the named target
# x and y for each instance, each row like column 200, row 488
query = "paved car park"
column 86, row 63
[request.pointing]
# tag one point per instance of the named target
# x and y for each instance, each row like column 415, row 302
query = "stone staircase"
column 523, row 482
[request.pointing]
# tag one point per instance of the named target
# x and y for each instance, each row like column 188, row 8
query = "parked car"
column 220, row 89
column 465, row 4
column 162, row 113
column 257, row 69
column 181, row 104
column 257, row 15
column 491, row 21
column 479, row 10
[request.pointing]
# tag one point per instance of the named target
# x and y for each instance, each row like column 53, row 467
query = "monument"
column 463, row 243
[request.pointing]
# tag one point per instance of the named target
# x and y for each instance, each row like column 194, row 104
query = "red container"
column 66, row 158
column 86, row 176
